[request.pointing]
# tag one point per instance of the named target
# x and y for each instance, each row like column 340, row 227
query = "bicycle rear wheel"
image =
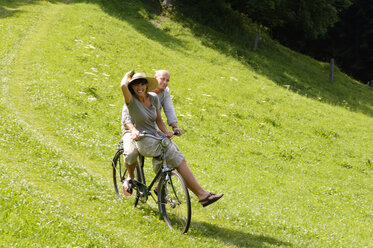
column 174, row 202
column 119, row 173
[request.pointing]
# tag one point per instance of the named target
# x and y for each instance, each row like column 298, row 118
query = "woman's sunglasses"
column 139, row 81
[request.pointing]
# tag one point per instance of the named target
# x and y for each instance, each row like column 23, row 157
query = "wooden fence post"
column 166, row 2
column 331, row 75
column 256, row 41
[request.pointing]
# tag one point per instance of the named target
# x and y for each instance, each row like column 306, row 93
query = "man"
column 129, row 131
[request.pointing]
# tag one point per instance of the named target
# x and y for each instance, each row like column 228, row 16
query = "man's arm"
column 161, row 125
column 169, row 111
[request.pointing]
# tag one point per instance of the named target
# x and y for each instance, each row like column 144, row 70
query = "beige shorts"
column 130, row 152
column 150, row 147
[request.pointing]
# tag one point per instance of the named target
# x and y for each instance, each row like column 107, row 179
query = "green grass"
column 291, row 151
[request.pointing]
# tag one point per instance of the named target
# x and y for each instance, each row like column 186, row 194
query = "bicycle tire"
column 174, row 202
column 119, row 173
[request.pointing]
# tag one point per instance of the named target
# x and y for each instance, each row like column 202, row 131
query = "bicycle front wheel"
column 119, row 173
column 174, row 202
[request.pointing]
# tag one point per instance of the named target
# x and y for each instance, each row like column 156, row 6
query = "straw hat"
column 152, row 82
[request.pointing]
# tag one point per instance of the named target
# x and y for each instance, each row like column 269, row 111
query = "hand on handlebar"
column 178, row 131
column 169, row 134
column 135, row 134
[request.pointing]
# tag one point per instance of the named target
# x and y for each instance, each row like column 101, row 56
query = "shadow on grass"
column 9, row 10
column 294, row 72
column 286, row 68
column 132, row 12
column 310, row 78
column 228, row 236
column 234, row 238
column 129, row 11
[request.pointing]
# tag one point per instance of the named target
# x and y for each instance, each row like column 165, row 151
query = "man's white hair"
column 159, row 72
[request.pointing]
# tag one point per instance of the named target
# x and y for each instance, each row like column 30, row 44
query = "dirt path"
column 15, row 77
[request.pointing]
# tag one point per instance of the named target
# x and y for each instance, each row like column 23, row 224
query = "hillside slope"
column 292, row 152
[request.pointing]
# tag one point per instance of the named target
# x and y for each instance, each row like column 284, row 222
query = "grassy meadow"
column 292, row 152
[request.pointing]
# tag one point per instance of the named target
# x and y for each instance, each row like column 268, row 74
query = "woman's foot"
column 211, row 198
column 127, row 187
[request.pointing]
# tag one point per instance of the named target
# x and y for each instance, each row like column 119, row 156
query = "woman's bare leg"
column 191, row 181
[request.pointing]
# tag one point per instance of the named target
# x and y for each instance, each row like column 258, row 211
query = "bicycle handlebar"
column 144, row 134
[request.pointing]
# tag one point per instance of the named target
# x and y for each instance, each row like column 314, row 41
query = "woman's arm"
column 124, row 86
column 161, row 125
column 128, row 124
column 134, row 132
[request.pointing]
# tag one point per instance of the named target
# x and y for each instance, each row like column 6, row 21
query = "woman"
column 144, row 109
column 163, row 93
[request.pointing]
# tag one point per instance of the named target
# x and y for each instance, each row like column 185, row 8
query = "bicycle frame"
column 172, row 197
column 145, row 190
column 162, row 173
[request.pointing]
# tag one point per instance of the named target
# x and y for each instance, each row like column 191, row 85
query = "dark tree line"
column 324, row 29
column 349, row 41
column 303, row 18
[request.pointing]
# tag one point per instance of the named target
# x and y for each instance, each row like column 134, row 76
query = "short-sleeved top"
column 144, row 117
column 166, row 102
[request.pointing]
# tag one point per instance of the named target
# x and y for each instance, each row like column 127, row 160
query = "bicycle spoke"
column 175, row 203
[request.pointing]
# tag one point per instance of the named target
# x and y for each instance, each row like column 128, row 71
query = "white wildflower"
column 90, row 46
column 89, row 73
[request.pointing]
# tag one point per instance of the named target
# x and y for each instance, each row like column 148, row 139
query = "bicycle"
column 173, row 198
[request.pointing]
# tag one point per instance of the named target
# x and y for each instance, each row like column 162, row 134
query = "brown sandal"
column 211, row 198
